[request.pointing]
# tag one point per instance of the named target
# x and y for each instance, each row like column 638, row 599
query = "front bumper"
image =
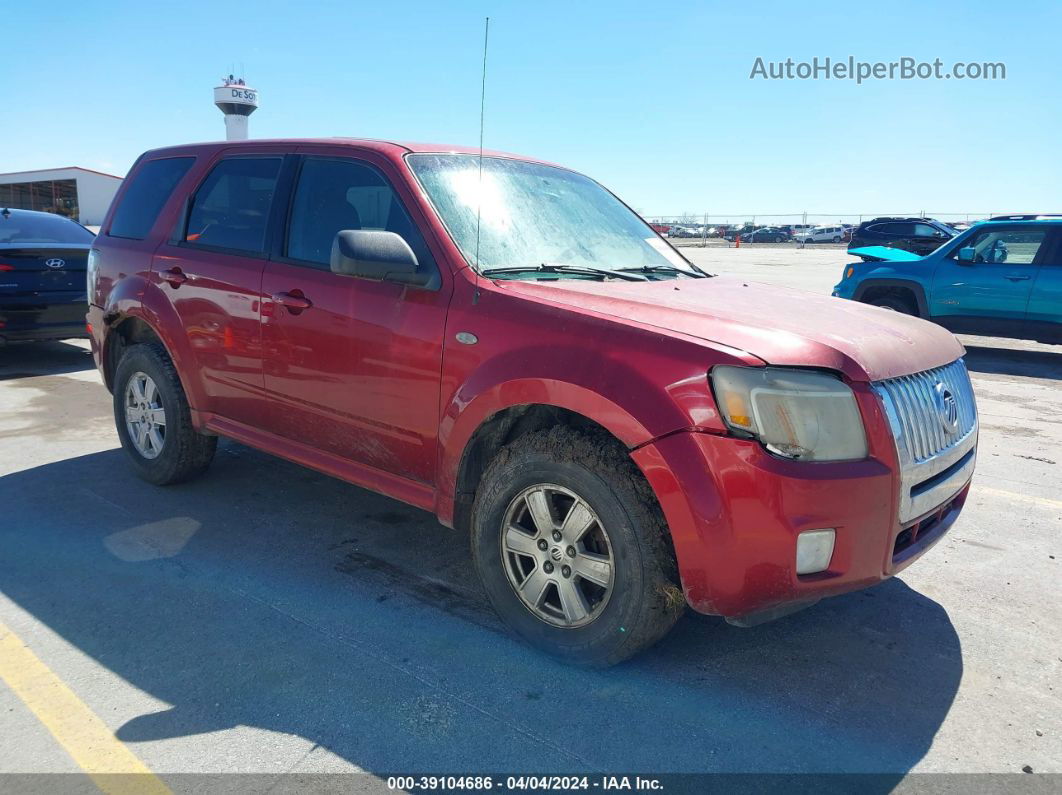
column 735, row 512
column 844, row 289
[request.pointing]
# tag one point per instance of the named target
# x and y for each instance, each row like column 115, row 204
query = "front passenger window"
column 333, row 195
column 1012, row 246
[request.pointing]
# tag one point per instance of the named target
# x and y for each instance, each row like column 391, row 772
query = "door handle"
column 1016, row 278
column 174, row 277
column 295, row 301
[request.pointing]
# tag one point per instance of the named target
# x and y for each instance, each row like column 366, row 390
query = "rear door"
column 900, row 234
column 353, row 366
column 991, row 294
column 211, row 270
column 1043, row 319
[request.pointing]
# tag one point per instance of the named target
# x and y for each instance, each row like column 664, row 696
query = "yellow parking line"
column 112, row 766
column 1045, row 501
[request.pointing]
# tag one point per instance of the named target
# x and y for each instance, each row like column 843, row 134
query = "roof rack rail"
column 1033, row 217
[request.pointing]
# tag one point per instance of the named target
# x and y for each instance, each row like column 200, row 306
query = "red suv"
column 503, row 342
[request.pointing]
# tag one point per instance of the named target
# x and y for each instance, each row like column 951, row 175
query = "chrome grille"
column 919, row 410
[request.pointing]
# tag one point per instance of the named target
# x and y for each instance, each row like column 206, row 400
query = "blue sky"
column 653, row 100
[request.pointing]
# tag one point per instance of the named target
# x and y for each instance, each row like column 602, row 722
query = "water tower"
column 237, row 101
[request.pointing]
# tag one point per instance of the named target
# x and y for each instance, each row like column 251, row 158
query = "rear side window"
column 143, row 198
column 902, row 230
column 231, row 208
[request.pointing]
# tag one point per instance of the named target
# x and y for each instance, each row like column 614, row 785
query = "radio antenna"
column 482, row 112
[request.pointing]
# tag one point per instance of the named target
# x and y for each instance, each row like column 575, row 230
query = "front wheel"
column 153, row 420
column 572, row 549
column 895, row 303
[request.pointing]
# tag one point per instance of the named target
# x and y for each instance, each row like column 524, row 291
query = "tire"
column 173, row 452
column 613, row 614
column 836, row 239
column 895, row 303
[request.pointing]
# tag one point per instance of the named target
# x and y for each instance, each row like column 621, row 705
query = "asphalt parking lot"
column 267, row 619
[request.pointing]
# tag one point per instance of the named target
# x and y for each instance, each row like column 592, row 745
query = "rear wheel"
column 153, row 420
column 572, row 549
column 836, row 239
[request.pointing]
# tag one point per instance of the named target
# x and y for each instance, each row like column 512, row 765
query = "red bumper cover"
column 735, row 512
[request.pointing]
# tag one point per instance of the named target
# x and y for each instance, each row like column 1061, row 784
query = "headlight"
column 795, row 414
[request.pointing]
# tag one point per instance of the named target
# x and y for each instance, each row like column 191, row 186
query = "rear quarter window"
column 142, row 200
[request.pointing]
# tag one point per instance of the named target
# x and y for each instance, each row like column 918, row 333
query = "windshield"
column 18, row 227
column 534, row 215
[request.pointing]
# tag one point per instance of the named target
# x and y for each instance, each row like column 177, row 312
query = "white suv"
column 822, row 234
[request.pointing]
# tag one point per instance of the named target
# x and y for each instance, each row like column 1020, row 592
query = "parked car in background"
column 766, row 234
column 684, row 231
column 917, row 235
column 618, row 432
column 1001, row 278
column 732, row 233
column 42, row 276
column 822, row 234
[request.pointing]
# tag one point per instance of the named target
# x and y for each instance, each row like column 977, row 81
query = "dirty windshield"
column 539, row 217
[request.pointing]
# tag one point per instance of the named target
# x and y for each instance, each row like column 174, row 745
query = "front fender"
column 888, row 277
column 637, row 396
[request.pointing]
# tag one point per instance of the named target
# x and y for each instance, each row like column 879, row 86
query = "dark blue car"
column 998, row 278
column 42, row 276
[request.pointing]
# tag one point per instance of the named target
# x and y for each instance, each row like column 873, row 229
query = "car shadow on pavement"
column 267, row 596
column 1014, row 361
column 23, row 359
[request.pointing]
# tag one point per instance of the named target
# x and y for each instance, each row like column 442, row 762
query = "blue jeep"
column 999, row 278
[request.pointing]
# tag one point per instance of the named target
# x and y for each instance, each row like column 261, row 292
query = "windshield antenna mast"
column 482, row 111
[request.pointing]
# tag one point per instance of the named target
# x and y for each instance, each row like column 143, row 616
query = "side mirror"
column 377, row 255
column 966, row 255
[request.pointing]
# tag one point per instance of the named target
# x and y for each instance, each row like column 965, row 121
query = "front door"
column 926, row 238
column 989, row 295
column 212, row 273
column 352, row 366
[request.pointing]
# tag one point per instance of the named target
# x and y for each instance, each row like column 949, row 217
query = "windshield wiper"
column 696, row 274
column 549, row 267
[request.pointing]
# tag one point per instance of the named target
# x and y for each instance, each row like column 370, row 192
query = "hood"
column 779, row 325
column 883, row 254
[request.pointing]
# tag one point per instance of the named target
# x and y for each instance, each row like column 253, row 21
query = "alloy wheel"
column 145, row 416
column 557, row 555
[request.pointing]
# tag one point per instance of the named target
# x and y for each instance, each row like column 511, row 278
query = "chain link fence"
column 705, row 227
